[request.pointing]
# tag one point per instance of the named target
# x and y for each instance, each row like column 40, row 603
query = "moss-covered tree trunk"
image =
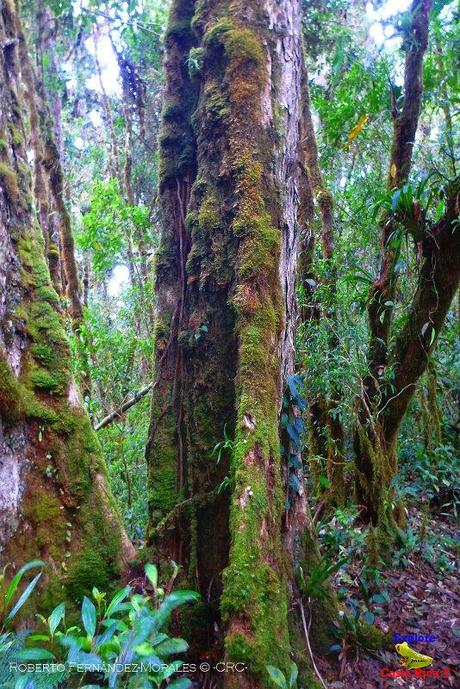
column 54, row 498
column 225, row 283
column 49, row 189
column 375, row 445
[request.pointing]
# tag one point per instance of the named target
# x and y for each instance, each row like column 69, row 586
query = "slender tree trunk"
column 437, row 284
column 54, row 498
column 225, row 284
column 113, row 144
column 326, row 430
column 375, row 448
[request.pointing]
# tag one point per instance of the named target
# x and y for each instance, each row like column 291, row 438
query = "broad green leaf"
column 277, row 676
column 145, row 649
column 171, row 646
column 35, row 654
column 38, row 637
column 56, row 617
column 181, row 683
column 116, row 600
column 293, row 675
column 151, row 572
column 369, row 617
column 88, row 616
column 25, row 682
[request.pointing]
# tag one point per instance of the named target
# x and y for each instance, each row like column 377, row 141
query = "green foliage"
column 113, row 636
column 8, row 606
column 312, row 585
column 354, row 633
column 351, row 83
column 110, row 225
column 280, row 680
column 225, row 445
column 430, row 475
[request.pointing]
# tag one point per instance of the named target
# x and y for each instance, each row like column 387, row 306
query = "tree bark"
column 49, row 187
column 375, row 445
column 54, row 497
column 225, row 284
column 405, row 125
column 376, row 437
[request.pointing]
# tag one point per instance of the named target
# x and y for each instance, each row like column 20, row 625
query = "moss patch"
column 9, row 181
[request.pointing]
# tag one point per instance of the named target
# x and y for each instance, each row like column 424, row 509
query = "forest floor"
column 421, row 595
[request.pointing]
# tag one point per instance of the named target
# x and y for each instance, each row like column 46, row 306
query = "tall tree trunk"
column 376, row 462
column 49, row 187
column 54, row 498
column 114, row 160
column 47, row 26
column 326, row 430
column 225, row 283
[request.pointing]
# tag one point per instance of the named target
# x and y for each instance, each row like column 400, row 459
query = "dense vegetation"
column 229, row 268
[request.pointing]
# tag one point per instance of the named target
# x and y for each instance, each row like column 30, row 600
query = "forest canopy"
column 229, row 343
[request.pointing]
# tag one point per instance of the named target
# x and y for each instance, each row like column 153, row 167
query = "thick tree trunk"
column 54, row 498
column 49, row 192
column 49, row 99
column 225, row 282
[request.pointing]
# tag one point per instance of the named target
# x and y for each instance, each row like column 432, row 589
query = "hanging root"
column 307, row 639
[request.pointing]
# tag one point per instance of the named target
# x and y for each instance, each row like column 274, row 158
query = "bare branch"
column 117, row 413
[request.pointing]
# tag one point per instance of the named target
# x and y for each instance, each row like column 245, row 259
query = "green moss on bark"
column 11, row 403
column 67, row 515
column 177, row 142
column 9, row 181
column 254, row 599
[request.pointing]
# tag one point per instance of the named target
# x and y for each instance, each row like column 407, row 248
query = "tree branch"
column 437, row 284
column 404, row 129
column 117, row 413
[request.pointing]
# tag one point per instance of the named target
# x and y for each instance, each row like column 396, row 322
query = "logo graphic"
column 410, row 659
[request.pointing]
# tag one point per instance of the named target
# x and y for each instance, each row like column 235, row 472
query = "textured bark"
column 375, row 443
column 225, row 284
column 404, row 130
column 376, row 437
column 40, row 185
column 49, row 100
column 54, row 499
column 49, row 189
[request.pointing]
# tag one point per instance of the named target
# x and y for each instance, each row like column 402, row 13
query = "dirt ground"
column 421, row 601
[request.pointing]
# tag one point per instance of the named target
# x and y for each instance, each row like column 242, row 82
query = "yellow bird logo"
column 410, row 658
